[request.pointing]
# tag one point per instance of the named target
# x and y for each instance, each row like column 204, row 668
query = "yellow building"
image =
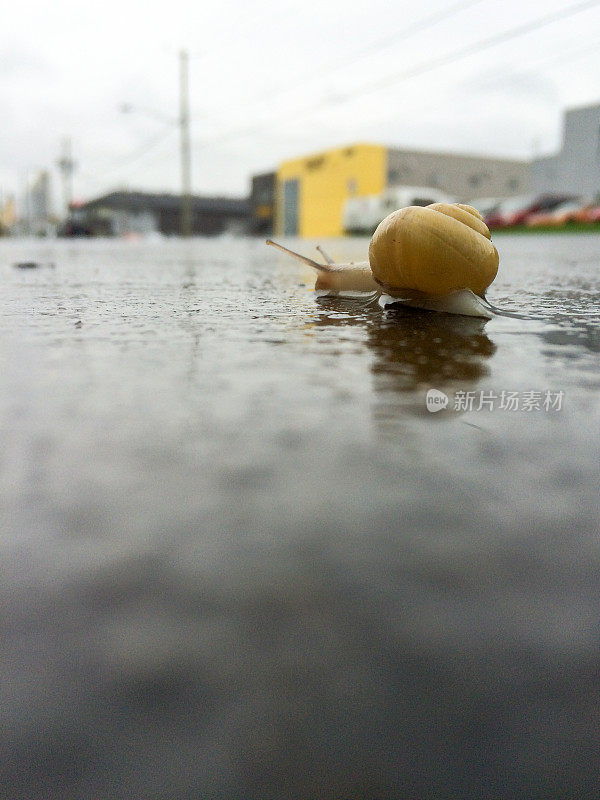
column 311, row 191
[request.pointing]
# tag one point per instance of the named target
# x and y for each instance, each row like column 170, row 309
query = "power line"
column 136, row 155
column 421, row 69
column 379, row 44
column 571, row 55
column 476, row 47
column 140, row 152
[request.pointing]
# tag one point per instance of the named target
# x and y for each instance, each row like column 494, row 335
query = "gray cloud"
column 18, row 63
column 505, row 80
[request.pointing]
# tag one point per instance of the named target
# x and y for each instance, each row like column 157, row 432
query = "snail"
column 438, row 257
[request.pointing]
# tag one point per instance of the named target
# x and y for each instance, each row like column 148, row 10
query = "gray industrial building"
column 575, row 169
column 462, row 176
column 120, row 213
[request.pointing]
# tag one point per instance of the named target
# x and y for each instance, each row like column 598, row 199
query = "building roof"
column 460, row 156
column 165, row 202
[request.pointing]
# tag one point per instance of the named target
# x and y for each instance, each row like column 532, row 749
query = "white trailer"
column 363, row 214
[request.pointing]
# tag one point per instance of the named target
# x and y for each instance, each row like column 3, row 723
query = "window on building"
column 399, row 174
column 474, row 180
column 512, row 184
column 352, row 186
column 315, row 163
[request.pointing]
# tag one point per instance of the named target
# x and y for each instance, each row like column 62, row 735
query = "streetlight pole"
column 186, row 159
column 185, row 217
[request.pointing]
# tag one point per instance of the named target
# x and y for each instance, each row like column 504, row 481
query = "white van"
column 363, row 214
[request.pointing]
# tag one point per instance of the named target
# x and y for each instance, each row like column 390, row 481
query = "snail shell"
column 435, row 250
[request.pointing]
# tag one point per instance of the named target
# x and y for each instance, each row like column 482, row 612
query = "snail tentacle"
column 305, row 259
column 327, row 258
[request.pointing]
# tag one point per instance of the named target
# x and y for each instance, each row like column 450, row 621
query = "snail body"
column 421, row 255
column 349, row 277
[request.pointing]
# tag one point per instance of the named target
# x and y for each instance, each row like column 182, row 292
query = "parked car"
column 561, row 215
column 485, row 205
column 589, row 213
column 515, row 210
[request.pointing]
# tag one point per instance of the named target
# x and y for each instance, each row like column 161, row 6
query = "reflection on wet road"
column 241, row 559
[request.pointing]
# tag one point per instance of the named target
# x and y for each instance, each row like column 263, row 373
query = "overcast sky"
column 271, row 81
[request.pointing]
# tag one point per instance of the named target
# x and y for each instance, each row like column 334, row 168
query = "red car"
column 589, row 214
column 515, row 210
column 561, row 215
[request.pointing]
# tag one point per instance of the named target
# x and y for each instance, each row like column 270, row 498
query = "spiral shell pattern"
column 433, row 250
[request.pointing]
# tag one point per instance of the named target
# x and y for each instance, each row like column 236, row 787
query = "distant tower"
column 67, row 167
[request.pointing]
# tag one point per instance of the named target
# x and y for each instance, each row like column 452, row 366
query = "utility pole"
column 67, row 167
column 186, row 160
